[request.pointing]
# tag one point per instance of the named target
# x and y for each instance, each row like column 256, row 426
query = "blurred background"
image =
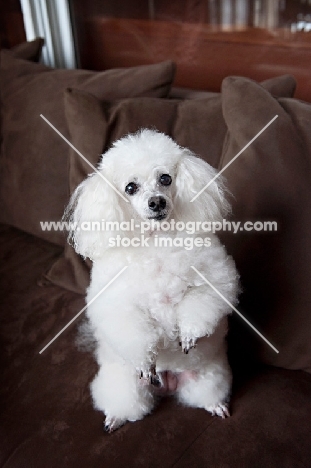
column 208, row 39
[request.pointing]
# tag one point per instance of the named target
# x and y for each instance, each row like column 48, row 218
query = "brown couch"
column 47, row 418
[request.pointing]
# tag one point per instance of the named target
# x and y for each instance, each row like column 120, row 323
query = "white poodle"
column 148, row 319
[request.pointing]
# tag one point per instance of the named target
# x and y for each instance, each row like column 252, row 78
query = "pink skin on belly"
column 171, row 381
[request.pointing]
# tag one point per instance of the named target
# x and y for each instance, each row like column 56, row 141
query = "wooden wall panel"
column 203, row 57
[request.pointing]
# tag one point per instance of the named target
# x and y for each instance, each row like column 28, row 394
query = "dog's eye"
column 165, row 179
column 131, row 188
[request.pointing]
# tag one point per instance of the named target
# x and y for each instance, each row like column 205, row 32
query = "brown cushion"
column 194, row 123
column 27, row 51
column 30, row 50
column 34, row 159
column 270, row 180
column 280, row 86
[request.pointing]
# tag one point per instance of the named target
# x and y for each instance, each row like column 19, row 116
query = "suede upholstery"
column 271, row 181
column 47, row 418
column 29, row 50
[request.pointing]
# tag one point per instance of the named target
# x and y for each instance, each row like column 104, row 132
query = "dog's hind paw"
column 187, row 344
column 112, row 424
column 220, row 410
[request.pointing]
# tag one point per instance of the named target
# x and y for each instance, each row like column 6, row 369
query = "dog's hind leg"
column 209, row 389
column 118, row 392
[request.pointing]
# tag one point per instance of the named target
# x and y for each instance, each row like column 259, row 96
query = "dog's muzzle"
column 157, row 204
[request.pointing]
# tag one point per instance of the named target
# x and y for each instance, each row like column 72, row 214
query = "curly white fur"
column 159, row 301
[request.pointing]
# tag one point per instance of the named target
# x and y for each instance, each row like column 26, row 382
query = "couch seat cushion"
column 47, row 415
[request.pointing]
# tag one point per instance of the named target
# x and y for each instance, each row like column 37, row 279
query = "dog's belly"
column 171, row 381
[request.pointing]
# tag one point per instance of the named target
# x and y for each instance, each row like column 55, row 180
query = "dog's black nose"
column 156, row 203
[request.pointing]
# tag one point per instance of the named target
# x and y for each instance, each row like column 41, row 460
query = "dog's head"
column 144, row 176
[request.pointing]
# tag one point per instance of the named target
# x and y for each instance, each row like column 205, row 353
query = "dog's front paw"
column 220, row 410
column 187, row 343
column 111, row 424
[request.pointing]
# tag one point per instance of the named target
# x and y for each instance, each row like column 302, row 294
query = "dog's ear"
column 193, row 174
column 91, row 206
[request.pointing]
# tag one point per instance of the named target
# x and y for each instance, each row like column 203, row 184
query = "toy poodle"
column 159, row 326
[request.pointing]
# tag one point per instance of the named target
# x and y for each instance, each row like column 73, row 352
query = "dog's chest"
column 162, row 289
column 167, row 276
